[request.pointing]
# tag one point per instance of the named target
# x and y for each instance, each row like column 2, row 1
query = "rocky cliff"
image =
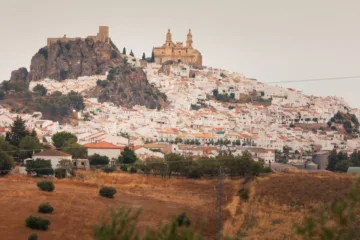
column 128, row 86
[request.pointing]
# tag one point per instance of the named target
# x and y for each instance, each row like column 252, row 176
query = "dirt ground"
column 78, row 206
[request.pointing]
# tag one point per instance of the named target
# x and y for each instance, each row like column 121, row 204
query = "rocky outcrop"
column 165, row 68
column 20, row 76
column 129, row 87
column 73, row 59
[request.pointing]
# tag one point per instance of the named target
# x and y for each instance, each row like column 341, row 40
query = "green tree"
column 41, row 167
column 342, row 166
column 67, row 166
column 132, row 54
column 97, row 159
column 332, row 160
column 128, row 156
column 40, row 90
column 28, row 145
column 76, row 101
column 124, row 51
column 174, row 162
column 143, row 56
column 2, row 94
column 152, row 57
column 6, row 163
column 59, row 139
column 355, row 158
column 76, row 150
column 18, row 132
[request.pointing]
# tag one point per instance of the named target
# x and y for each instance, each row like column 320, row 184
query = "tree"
column 131, row 53
column 152, row 57
column 41, row 167
column 2, row 94
column 128, row 156
column 18, row 132
column 332, row 160
column 174, row 161
column 215, row 92
column 40, row 90
column 59, row 139
column 76, row 150
column 28, row 145
column 124, row 51
column 6, row 163
column 76, row 101
column 143, row 56
column 67, row 166
column 342, row 166
column 355, row 158
column 97, row 159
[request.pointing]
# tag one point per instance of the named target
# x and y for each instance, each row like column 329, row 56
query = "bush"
column 37, row 223
column 244, row 194
column 33, row 236
column 267, row 170
column 195, row 173
column 108, row 192
column 183, row 220
column 97, row 159
column 41, row 167
column 60, row 173
column 133, row 170
column 124, row 168
column 109, row 169
column 46, row 185
column 45, row 208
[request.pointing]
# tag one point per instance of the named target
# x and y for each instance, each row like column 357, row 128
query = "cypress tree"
column 152, row 56
column 143, row 56
column 124, row 51
column 131, row 53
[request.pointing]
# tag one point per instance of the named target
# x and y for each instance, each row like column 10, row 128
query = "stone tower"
column 189, row 40
column 168, row 38
column 103, row 34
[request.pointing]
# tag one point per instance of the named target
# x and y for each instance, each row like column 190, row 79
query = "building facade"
column 178, row 52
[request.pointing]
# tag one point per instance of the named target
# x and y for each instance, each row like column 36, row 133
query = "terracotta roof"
column 51, row 153
column 102, row 145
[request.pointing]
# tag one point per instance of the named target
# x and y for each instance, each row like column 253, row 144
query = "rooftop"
column 51, row 153
column 102, row 145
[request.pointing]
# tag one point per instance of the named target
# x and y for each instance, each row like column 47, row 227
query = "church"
column 178, row 52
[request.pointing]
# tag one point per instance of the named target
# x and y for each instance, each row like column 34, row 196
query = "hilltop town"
column 208, row 112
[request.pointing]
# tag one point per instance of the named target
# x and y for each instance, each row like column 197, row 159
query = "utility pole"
column 219, row 189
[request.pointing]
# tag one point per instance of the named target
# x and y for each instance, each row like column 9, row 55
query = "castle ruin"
column 178, row 52
column 103, row 36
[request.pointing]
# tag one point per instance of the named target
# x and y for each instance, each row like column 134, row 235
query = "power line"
column 315, row 79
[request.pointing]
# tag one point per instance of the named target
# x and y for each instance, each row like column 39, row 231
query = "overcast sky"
column 271, row 40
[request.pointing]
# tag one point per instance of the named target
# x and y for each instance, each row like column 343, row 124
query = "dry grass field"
column 276, row 203
column 279, row 201
column 78, row 207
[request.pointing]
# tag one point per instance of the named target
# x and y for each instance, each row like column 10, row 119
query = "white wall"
column 110, row 153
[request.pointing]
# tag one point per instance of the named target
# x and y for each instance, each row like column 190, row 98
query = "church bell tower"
column 189, row 40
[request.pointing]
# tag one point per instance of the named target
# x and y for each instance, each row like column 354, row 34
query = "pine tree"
column 124, row 51
column 152, row 57
column 18, row 132
column 131, row 53
column 143, row 56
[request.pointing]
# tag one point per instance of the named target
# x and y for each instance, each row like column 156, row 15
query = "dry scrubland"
column 276, row 203
column 78, row 207
column 279, row 201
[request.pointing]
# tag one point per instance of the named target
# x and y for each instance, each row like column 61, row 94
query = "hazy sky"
column 271, row 40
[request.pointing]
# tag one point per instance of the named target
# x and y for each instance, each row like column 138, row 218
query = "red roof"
column 102, row 145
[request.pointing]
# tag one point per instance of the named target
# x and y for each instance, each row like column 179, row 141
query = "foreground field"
column 279, row 201
column 78, row 207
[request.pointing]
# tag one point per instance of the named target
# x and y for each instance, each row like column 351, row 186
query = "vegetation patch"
column 46, row 185
column 107, row 192
column 37, row 223
column 45, row 208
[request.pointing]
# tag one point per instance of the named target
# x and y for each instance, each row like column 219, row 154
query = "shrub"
column 37, row 223
column 133, row 170
column 183, row 220
column 108, row 192
column 46, row 185
column 195, row 173
column 41, row 167
column 60, row 173
column 267, row 170
column 97, row 159
column 109, row 169
column 33, row 236
column 45, row 208
column 244, row 194
column 124, row 168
